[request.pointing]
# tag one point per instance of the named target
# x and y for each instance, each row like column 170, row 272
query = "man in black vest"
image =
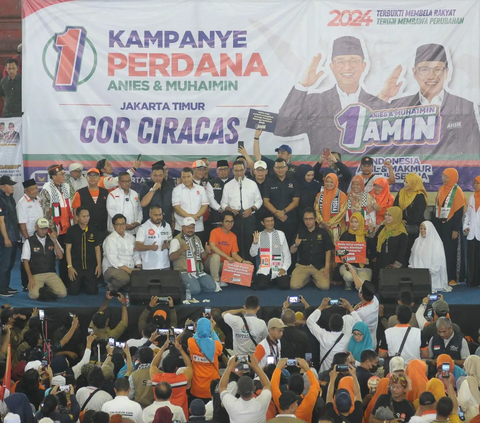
column 94, row 199
column 446, row 341
column 218, row 183
column 38, row 255
column 84, row 258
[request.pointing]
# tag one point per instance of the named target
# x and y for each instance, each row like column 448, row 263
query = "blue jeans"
column 203, row 283
column 7, row 261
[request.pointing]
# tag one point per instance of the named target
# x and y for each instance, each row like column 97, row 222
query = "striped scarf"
column 335, row 208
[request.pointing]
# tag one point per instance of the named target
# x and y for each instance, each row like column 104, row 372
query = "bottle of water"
column 188, row 293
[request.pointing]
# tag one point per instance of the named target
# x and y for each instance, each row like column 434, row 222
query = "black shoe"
column 5, row 293
column 24, row 289
column 12, row 290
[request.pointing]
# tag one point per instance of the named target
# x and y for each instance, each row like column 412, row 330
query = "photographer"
column 100, row 320
column 61, row 407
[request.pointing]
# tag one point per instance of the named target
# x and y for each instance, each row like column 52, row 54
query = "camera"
column 433, row 297
column 163, row 332
column 243, row 358
column 308, row 359
column 334, row 302
column 445, row 370
column 162, row 300
column 342, row 367
column 208, row 312
column 65, row 388
column 191, row 327
column 90, row 331
column 120, row 344
column 41, row 315
column 270, row 359
column 114, row 294
column 111, row 342
column 292, row 362
column 294, row 299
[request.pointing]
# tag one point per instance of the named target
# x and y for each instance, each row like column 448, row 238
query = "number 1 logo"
column 69, row 46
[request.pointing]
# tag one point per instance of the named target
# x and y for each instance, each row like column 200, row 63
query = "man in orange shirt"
column 223, row 243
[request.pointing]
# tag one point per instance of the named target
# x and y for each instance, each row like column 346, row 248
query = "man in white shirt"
column 415, row 346
column 163, row 392
column 125, row 200
column 75, row 177
column 275, row 257
column 246, row 325
column 201, row 177
column 338, row 337
column 119, row 255
column 95, row 379
column 189, row 200
column 29, row 210
column 153, row 241
column 122, row 405
column 246, row 409
column 242, row 197
column 272, row 344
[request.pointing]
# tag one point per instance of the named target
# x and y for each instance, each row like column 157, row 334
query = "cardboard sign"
column 356, row 252
column 237, row 273
column 262, row 117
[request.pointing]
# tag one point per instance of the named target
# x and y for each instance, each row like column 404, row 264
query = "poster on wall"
column 11, row 163
column 178, row 81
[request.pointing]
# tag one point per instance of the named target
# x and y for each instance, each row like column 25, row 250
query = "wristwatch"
column 69, row 266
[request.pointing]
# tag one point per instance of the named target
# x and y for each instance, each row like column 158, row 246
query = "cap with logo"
column 440, row 307
column 6, row 180
column 284, row 147
column 426, row 398
column 276, row 323
column 54, row 169
column 93, row 170
column 75, row 166
column 42, row 223
column 260, row 163
column 188, row 221
column 367, row 160
column 198, row 163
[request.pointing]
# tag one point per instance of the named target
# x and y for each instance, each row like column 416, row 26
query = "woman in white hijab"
column 428, row 253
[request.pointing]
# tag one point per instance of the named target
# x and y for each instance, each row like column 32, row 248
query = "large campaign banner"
column 178, row 80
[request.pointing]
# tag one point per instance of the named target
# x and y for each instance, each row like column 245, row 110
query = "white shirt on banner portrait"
column 120, row 251
column 191, row 201
column 28, row 212
column 126, row 204
column 274, row 253
column 148, row 234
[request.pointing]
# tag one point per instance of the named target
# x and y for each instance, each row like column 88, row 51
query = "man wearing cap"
column 9, row 235
column 29, row 210
column 314, row 113
column 187, row 254
column 247, row 408
column 343, row 400
column 440, row 309
column 124, row 200
column 39, row 254
column 153, row 240
column 75, row 177
column 281, row 196
column 189, row 200
column 242, row 197
column 56, row 198
column 271, row 345
column 426, row 411
column 157, row 192
column 459, row 126
column 369, row 178
column 274, row 255
column 446, row 341
column 94, row 199
column 287, row 408
column 84, row 258
column 107, row 180
column 197, row 411
column 218, row 185
column 120, row 258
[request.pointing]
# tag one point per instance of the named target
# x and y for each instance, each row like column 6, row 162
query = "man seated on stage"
column 187, row 253
column 275, row 258
column 153, row 241
column 100, row 319
column 84, row 258
column 120, row 258
column 39, row 255
column 223, row 243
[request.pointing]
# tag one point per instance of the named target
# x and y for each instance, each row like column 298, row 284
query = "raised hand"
column 256, row 237
column 311, row 75
column 392, row 86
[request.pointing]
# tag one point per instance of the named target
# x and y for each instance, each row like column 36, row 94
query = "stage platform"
column 464, row 303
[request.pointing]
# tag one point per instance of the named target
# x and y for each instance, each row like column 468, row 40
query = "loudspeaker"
column 162, row 283
column 394, row 281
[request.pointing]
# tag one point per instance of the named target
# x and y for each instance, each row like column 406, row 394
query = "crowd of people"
column 284, row 219
column 333, row 363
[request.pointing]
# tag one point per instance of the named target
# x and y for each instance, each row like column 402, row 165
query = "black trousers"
column 62, row 264
column 85, row 277
column 264, row 281
column 244, row 229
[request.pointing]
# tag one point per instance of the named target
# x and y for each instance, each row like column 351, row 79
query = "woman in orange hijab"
column 331, row 207
column 471, row 227
column 417, row 372
column 449, row 208
column 381, row 194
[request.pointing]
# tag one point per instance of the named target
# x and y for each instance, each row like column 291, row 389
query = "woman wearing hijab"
column 163, row 415
column 449, row 208
column 383, row 198
column 469, row 392
column 309, row 188
column 392, row 241
column 19, row 404
column 428, row 253
column 205, row 348
column 436, row 387
column 471, row 228
column 359, row 201
column 417, row 372
column 455, row 371
column 357, row 233
column 331, row 207
column 361, row 340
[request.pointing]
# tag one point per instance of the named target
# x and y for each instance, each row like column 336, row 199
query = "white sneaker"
column 223, row 284
column 448, row 289
column 217, row 289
